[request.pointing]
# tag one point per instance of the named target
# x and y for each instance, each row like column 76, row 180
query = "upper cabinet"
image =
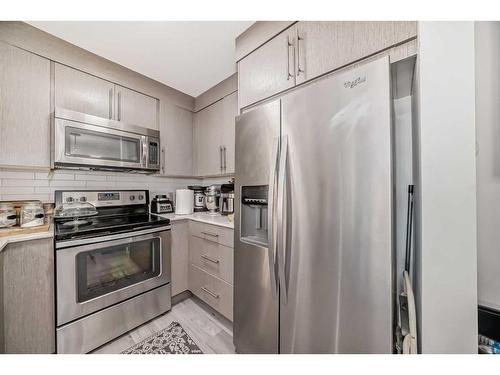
column 24, row 108
column 82, row 92
column 214, row 137
column 135, row 108
column 268, row 70
column 230, row 111
column 208, row 138
column 325, row 46
column 308, row 50
column 176, row 139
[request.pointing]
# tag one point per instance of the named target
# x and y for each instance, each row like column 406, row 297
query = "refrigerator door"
column 255, row 277
column 336, row 296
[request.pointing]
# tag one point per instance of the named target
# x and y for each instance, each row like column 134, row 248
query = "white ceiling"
column 190, row 56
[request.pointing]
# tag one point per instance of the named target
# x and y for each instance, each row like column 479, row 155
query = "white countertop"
column 4, row 241
column 204, row 217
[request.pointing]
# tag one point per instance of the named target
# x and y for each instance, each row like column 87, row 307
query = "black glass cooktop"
column 105, row 225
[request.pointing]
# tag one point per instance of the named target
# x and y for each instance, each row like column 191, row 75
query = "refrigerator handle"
column 271, row 217
column 282, row 222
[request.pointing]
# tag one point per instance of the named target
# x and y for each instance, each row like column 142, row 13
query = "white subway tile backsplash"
column 65, row 184
column 55, row 175
column 41, row 185
column 20, row 190
column 103, row 184
column 90, row 177
column 16, row 182
column 17, row 175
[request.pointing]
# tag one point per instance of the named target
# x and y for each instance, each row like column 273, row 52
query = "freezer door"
column 336, row 296
column 255, row 306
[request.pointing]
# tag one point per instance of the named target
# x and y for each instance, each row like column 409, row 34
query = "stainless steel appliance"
column 83, row 141
column 226, row 199
column 211, row 198
column 112, row 269
column 313, row 235
column 199, row 198
column 162, row 205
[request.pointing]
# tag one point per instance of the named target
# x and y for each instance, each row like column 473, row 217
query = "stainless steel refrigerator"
column 313, row 232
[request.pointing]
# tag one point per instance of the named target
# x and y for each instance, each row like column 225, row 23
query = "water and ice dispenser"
column 254, row 214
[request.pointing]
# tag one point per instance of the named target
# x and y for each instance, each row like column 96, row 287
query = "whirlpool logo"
column 354, row 83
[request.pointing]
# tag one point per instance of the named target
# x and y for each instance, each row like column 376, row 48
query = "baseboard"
column 181, row 297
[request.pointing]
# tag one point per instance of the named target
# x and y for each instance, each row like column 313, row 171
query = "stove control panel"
column 103, row 198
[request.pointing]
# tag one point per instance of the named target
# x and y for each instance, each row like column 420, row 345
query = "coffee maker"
column 226, row 199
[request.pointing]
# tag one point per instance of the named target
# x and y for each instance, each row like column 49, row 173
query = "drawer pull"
column 210, row 259
column 210, row 234
column 210, row 292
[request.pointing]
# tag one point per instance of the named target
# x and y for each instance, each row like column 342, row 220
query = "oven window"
column 108, row 269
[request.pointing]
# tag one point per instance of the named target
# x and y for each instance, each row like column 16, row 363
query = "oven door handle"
column 114, row 239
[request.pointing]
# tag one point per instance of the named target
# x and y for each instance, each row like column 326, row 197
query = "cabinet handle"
column 163, row 160
column 210, row 234
column 206, row 290
column 299, row 69
column 220, row 152
column 110, row 104
column 119, row 106
column 288, row 45
column 210, row 259
column 225, row 160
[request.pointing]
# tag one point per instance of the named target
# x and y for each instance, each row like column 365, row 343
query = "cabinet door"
column 135, row 108
column 28, row 297
column 268, row 70
column 230, row 111
column 24, row 108
column 180, row 256
column 82, row 92
column 326, row 46
column 176, row 133
column 208, row 140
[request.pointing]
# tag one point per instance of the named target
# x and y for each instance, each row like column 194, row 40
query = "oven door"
column 83, row 144
column 97, row 275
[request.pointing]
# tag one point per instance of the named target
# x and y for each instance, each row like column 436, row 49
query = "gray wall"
column 488, row 161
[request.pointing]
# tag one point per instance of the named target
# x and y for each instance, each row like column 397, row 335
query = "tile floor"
column 212, row 332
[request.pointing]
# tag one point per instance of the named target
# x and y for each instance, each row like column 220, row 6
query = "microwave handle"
column 145, row 142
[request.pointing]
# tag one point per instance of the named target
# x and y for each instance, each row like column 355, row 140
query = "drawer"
column 212, row 290
column 214, row 233
column 212, row 257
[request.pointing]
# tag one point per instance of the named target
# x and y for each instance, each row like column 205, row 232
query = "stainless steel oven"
column 95, row 275
column 91, row 142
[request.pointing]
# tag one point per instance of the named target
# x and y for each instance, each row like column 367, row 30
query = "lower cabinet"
column 212, row 290
column 27, row 297
column 210, row 275
column 180, row 256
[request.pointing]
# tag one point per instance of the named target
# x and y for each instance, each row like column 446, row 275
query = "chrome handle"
column 271, row 213
column 144, row 151
column 210, row 234
column 206, row 257
column 110, row 103
column 220, row 155
column 225, row 159
column 299, row 69
column 206, row 290
column 163, row 160
column 119, row 106
column 288, row 45
column 282, row 218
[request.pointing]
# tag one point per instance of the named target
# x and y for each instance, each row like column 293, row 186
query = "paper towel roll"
column 184, row 201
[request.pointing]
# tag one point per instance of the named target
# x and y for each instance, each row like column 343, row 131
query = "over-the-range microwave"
column 82, row 141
